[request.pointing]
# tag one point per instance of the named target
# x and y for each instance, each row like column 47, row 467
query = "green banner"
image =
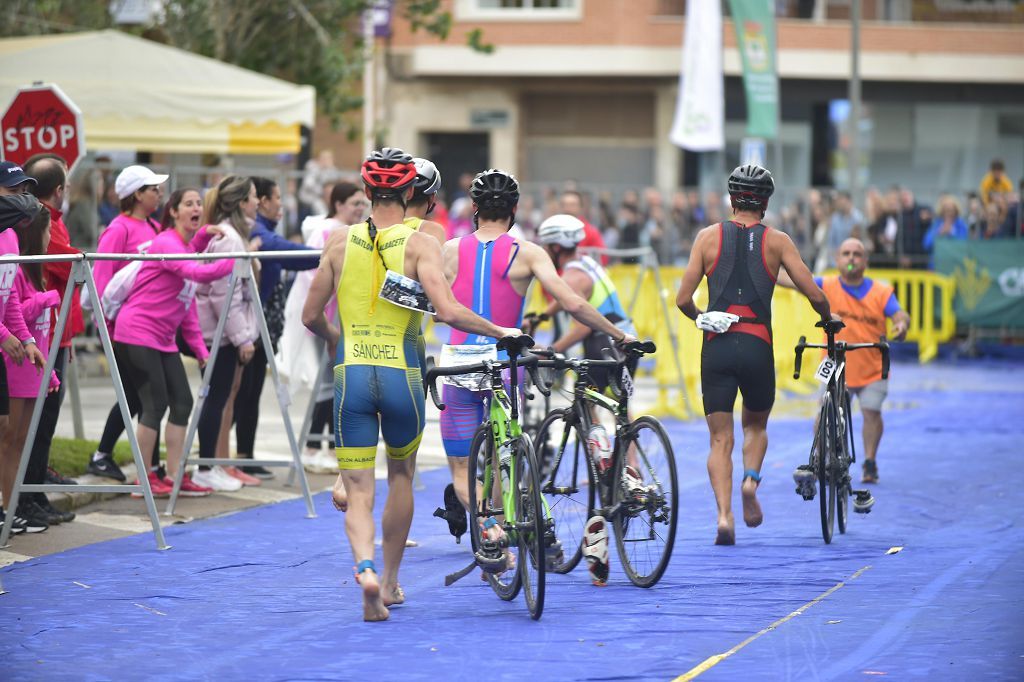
column 989, row 279
column 754, row 21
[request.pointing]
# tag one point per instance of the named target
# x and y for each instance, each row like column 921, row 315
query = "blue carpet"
column 268, row 594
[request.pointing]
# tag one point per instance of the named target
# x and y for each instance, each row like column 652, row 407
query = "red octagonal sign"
column 41, row 119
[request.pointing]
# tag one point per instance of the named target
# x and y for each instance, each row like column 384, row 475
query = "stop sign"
column 39, row 119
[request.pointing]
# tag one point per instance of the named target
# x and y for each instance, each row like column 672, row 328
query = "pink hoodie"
column 23, row 380
column 13, row 322
column 162, row 298
column 124, row 234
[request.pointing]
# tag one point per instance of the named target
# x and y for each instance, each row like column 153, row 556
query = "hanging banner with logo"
column 754, row 21
column 989, row 279
column 700, row 106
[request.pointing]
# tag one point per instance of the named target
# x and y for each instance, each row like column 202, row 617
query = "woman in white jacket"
column 231, row 206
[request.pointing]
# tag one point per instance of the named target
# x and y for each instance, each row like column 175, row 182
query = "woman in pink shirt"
column 144, row 337
column 33, row 305
column 138, row 190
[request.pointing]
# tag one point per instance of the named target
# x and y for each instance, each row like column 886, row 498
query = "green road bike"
column 504, row 484
column 636, row 491
column 833, row 449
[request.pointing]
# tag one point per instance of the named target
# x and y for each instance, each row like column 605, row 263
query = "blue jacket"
column 959, row 232
column 270, row 274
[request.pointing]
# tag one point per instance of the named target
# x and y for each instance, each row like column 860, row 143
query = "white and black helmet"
column 428, row 178
column 562, row 229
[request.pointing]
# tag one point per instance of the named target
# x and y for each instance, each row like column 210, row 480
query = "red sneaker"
column 189, row 488
column 161, row 487
column 246, row 479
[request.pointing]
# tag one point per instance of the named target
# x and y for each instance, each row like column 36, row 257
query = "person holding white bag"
column 131, row 232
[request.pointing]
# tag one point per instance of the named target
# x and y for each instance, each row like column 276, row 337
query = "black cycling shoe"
column 454, row 513
column 863, row 501
column 491, row 557
column 107, row 468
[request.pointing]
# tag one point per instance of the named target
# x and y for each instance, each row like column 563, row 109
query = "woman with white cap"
column 138, row 190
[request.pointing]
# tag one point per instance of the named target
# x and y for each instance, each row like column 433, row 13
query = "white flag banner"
column 700, row 108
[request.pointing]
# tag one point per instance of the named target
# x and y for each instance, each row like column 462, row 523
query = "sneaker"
column 54, row 477
column 311, row 462
column 56, row 515
column 327, row 461
column 35, row 519
column 217, row 479
column 595, row 550
column 869, row 471
column 190, row 489
column 107, row 468
column 246, row 479
column 804, row 478
column 257, row 471
column 160, row 486
column 17, row 524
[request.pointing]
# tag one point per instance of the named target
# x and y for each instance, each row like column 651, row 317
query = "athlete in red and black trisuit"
column 741, row 259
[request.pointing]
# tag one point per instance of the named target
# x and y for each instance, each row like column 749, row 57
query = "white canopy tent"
column 136, row 94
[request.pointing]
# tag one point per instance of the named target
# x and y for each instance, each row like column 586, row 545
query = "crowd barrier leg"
column 307, row 420
column 242, row 276
column 81, row 274
column 74, row 395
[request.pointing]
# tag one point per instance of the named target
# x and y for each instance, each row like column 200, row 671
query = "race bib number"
column 825, row 370
column 626, row 381
column 405, row 292
column 453, row 356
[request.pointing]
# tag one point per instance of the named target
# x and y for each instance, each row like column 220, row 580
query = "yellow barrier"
column 926, row 296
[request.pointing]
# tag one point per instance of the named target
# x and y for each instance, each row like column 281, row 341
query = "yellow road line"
column 712, row 661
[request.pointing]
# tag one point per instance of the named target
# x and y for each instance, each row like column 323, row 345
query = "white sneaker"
column 217, row 479
column 310, row 461
column 327, row 462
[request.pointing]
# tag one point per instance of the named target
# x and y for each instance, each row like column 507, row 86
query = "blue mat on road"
column 268, row 594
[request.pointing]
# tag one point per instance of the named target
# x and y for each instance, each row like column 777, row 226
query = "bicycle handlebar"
column 882, row 345
column 514, row 345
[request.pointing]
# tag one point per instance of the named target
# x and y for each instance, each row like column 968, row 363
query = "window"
column 517, row 10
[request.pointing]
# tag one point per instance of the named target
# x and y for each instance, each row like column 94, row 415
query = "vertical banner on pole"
column 754, row 22
column 700, row 107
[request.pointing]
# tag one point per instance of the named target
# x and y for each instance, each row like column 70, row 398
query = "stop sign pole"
column 41, row 119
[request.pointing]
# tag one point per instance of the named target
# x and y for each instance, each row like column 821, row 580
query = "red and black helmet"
column 750, row 187
column 388, row 171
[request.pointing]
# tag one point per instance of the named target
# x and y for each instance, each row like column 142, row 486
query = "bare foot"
column 752, row 515
column 393, row 595
column 373, row 606
column 339, row 496
column 726, row 531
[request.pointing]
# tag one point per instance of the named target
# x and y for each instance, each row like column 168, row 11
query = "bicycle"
column 833, row 449
column 636, row 489
column 533, row 409
column 516, row 560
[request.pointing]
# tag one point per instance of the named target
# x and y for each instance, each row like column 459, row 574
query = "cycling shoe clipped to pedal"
column 553, row 554
column 595, row 549
column 454, row 513
column 491, row 557
column 863, row 501
column 804, row 478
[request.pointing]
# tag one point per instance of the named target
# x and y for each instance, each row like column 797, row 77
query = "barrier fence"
column 81, row 276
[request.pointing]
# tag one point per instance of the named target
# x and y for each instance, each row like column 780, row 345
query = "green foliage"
column 314, row 42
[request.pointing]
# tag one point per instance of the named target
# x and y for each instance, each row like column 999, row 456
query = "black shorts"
column 599, row 346
column 5, row 393
column 737, row 361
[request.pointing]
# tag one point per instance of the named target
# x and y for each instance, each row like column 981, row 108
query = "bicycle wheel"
column 646, row 497
column 482, row 489
column 826, row 465
column 568, row 485
column 529, row 527
column 842, row 468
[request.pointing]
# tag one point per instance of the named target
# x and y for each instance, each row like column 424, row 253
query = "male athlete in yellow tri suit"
column 378, row 381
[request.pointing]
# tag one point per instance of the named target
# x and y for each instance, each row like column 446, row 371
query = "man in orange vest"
column 864, row 305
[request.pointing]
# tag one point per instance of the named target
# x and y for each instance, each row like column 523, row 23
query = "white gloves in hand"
column 717, row 322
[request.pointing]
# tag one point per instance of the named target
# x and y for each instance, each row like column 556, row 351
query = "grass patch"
column 70, row 456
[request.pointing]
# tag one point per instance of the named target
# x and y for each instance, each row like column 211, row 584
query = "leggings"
column 114, row 427
column 247, row 402
column 161, row 382
column 321, row 422
column 216, row 398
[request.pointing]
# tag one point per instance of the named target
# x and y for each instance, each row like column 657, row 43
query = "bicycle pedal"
column 863, row 501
